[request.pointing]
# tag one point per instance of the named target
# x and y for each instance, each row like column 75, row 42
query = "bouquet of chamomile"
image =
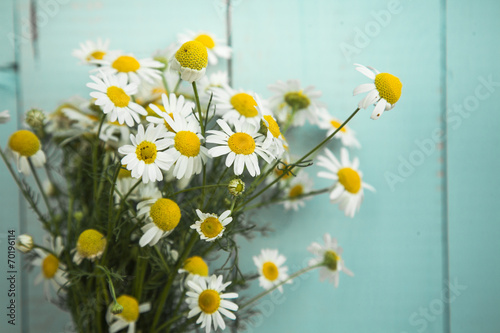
column 143, row 186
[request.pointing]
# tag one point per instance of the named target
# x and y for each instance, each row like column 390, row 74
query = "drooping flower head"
column 216, row 47
column 163, row 216
column 190, row 61
column 129, row 315
column 90, row 245
column 24, row 144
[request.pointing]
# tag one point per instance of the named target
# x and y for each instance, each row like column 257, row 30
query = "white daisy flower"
column 330, row 256
column 4, row 116
column 206, row 297
column 298, row 186
column 271, row 269
column 163, row 216
column 190, row 61
column 52, row 269
column 24, row 144
column 129, row 69
column 90, row 245
column 384, row 92
column 171, row 105
column 113, row 95
column 210, row 226
column 275, row 141
column 90, row 51
column 291, row 102
column 348, row 188
column 145, row 157
column 241, row 147
column 216, row 47
column 235, row 105
column 346, row 135
column 129, row 316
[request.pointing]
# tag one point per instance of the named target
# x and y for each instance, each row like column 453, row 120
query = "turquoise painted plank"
column 473, row 163
column 395, row 244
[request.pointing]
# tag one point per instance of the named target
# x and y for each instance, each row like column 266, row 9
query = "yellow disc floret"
column 193, row 55
column 350, row 179
column 389, row 87
column 126, row 64
column 206, row 40
column 270, row 271
column 50, row 265
column 118, row 96
column 297, row 100
column 146, row 151
column 296, row 191
column 165, row 214
column 91, row 243
column 98, row 55
column 24, row 142
column 196, row 265
column 241, row 143
column 273, row 126
column 187, row 143
column 124, row 173
column 130, row 305
column 211, row 227
column 209, row 301
column 336, row 124
column 244, row 104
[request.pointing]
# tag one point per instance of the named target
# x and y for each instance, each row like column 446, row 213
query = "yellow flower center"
column 196, row 265
column 350, row 179
column 389, row 87
column 165, row 214
column 211, row 227
column 336, row 124
column 50, row 265
column 192, row 54
column 130, row 305
column 187, row 143
column 124, row 173
column 241, row 143
column 331, row 260
column 209, row 301
column 98, row 55
column 24, row 142
column 273, row 126
column 126, row 64
column 297, row 100
column 206, row 40
column 244, row 104
column 146, row 151
column 296, row 191
column 280, row 170
column 270, row 271
column 118, row 96
column 91, row 243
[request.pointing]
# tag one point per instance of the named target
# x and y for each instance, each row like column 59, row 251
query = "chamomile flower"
column 90, row 245
column 190, row 61
column 297, row 187
column 275, row 141
column 348, row 188
column 206, row 298
column 235, row 105
column 292, row 103
column 329, row 255
column 90, row 51
column 384, row 92
column 129, row 316
column 271, row 269
column 195, row 265
column 171, row 105
column 216, row 48
column 346, row 135
column 163, row 216
column 130, row 69
column 4, row 116
column 211, row 226
column 52, row 269
column 22, row 145
column 113, row 95
column 145, row 157
column 241, row 147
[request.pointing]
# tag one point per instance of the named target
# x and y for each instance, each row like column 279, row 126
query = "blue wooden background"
column 433, row 235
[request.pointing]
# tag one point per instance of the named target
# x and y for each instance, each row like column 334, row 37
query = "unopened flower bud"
column 35, row 118
column 236, row 187
column 116, row 308
column 24, row 243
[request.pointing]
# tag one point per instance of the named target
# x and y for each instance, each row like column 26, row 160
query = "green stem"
column 165, row 84
column 40, row 187
column 197, row 99
column 289, row 120
column 178, row 84
column 291, row 277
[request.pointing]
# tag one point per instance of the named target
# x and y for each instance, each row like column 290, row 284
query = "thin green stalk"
column 177, row 85
column 165, row 84
column 291, row 277
column 197, row 98
column 301, row 159
column 289, row 120
column 40, row 187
